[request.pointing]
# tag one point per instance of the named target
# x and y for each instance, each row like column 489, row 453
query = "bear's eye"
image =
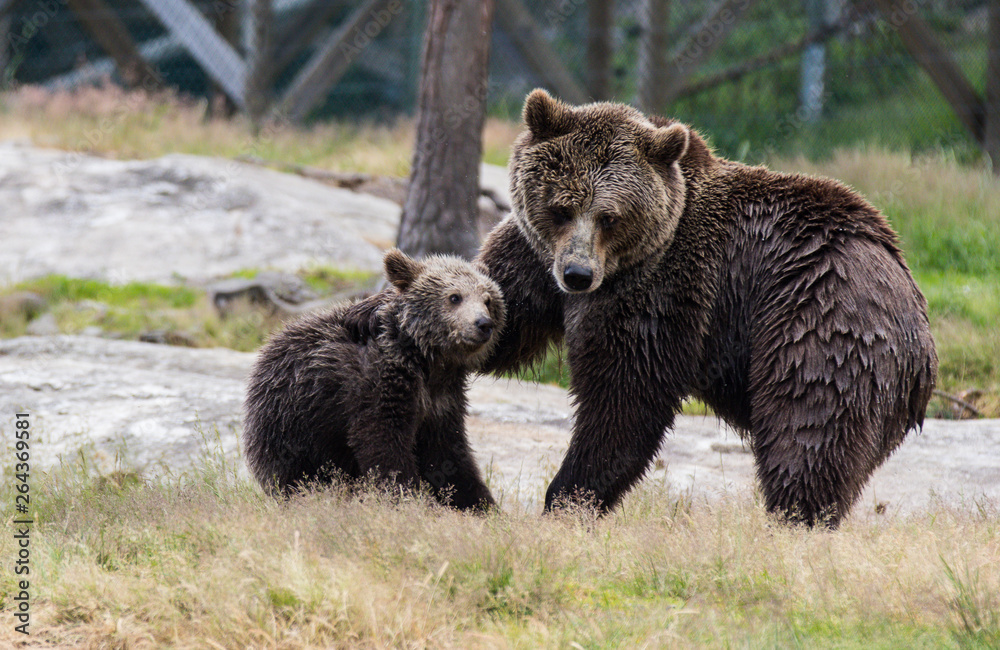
column 561, row 215
column 607, row 220
column 455, row 298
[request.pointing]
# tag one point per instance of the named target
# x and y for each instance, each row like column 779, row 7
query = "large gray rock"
column 159, row 408
column 177, row 216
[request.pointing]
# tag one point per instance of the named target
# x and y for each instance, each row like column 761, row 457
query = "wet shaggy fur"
column 377, row 387
column 783, row 301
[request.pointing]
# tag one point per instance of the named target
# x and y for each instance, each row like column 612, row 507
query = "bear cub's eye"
column 607, row 221
column 455, row 298
column 560, row 215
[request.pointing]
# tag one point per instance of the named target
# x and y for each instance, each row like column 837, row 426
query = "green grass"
column 327, row 280
column 202, row 558
column 958, row 296
column 183, row 313
column 59, row 288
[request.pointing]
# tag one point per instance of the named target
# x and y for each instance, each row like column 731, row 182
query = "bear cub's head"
column 595, row 188
column 450, row 309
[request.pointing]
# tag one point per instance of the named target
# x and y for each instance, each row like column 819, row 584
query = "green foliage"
column 328, row 280
column 550, row 369
column 950, row 295
column 870, row 82
column 59, row 288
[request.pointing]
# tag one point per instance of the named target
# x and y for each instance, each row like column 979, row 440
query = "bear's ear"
column 400, row 269
column 667, row 144
column 546, row 117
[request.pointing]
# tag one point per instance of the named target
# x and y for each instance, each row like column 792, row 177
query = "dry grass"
column 204, row 560
column 113, row 122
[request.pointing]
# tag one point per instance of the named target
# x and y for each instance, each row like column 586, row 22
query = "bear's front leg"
column 611, row 449
column 384, row 431
column 624, row 406
column 446, row 461
column 534, row 303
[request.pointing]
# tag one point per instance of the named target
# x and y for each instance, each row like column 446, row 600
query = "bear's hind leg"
column 806, row 474
column 841, row 368
column 813, row 432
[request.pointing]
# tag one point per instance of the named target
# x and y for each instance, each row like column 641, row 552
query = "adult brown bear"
column 782, row 301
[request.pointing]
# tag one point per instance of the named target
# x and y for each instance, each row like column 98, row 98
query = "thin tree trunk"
column 599, row 18
column 227, row 23
column 440, row 212
column 813, row 65
column 939, row 64
column 991, row 144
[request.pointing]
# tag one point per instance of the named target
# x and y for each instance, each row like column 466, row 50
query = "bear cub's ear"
column 667, row 144
column 546, row 117
column 400, row 269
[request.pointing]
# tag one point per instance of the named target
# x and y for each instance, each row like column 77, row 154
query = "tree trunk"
column 258, row 83
column 653, row 71
column 226, row 19
column 813, row 65
column 991, row 144
column 937, row 61
column 599, row 19
column 440, row 212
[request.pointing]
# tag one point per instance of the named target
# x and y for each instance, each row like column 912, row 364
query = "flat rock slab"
column 178, row 216
column 159, row 408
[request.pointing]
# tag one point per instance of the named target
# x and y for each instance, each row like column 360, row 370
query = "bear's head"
column 450, row 309
column 595, row 188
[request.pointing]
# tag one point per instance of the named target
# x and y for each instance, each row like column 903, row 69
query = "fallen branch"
column 346, row 180
column 960, row 402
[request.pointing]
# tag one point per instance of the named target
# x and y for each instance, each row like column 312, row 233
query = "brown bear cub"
column 377, row 388
column 783, row 301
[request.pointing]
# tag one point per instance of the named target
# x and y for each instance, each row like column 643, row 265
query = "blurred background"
column 204, row 101
column 755, row 76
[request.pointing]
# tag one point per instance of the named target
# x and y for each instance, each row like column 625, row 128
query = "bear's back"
column 301, row 389
column 807, row 263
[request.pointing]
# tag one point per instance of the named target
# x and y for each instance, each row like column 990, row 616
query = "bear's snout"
column 580, row 255
column 577, row 277
column 484, row 325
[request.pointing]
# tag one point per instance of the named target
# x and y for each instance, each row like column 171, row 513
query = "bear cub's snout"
column 485, row 326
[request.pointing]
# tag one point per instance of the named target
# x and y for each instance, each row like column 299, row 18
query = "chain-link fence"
column 754, row 76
